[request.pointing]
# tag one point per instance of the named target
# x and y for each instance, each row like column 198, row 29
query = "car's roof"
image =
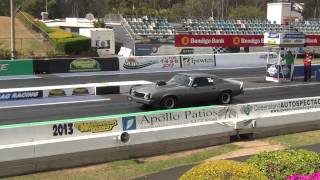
column 198, row 75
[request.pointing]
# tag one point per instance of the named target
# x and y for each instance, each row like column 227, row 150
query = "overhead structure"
column 283, row 50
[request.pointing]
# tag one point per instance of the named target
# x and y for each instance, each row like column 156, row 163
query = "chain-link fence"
column 25, row 47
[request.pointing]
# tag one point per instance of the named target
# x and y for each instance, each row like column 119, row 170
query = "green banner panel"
column 16, row 67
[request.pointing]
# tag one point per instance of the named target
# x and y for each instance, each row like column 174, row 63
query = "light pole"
column 13, row 30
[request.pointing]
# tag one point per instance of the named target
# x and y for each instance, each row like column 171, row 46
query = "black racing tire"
column 168, row 102
column 225, row 97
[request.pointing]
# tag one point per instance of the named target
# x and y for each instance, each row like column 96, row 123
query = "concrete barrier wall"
column 165, row 131
column 174, row 62
column 107, row 140
column 242, row 116
column 78, row 151
column 65, row 90
column 237, row 116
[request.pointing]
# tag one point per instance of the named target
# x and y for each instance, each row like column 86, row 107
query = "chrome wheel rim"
column 225, row 98
column 169, row 103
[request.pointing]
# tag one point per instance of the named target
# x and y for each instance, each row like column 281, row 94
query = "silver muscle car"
column 186, row 88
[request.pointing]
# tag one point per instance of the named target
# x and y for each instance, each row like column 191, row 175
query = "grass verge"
column 128, row 169
column 297, row 139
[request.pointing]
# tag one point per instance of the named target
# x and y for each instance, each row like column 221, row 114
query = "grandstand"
column 144, row 26
column 157, row 35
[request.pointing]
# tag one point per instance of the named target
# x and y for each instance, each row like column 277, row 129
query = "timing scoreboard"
column 288, row 39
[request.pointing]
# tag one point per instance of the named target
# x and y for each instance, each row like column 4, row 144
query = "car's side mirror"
column 194, row 85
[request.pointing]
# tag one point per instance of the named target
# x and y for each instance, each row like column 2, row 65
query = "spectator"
column 307, row 66
column 289, row 58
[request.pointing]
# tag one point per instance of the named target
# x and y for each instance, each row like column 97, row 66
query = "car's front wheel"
column 225, row 97
column 169, row 102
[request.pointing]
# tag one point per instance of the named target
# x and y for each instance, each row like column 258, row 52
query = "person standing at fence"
column 307, row 66
column 289, row 60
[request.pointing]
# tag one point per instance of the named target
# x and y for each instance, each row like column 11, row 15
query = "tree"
column 247, row 12
column 5, row 8
column 35, row 7
column 99, row 24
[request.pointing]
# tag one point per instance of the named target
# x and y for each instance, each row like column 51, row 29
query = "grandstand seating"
column 143, row 25
column 240, row 26
column 246, row 26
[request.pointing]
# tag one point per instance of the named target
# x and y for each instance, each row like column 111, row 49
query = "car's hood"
column 150, row 88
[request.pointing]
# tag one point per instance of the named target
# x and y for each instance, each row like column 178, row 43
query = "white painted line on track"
column 3, row 78
column 149, row 72
column 292, row 85
column 56, row 103
column 120, row 83
column 124, row 83
column 253, row 77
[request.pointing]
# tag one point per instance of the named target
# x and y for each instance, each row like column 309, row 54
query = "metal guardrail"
column 38, row 29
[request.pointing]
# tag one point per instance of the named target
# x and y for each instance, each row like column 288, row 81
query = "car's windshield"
column 180, row 79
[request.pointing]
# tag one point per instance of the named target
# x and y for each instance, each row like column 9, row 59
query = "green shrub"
column 73, row 45
column 58, row 33
column 64, row 42
column 43, row 27
column 223, row 169
column 281, row 164
column 5, row 53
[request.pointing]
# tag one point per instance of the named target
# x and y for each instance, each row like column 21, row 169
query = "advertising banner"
column 205, row 60
column 20, row 95
column 218, row 40
column 288, row 39
column 155, row 45
column 149, row 62
column 312, row 40
column 242, row 59
column 170, row 118
column 281, row 106
column 154, row 49
column 71, row 65
column 60, row 129
column 16, row 67
column 284, row 39
column 78, row 91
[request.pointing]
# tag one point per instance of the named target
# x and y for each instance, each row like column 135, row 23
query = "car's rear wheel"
column 225, row 97
column 169, row 102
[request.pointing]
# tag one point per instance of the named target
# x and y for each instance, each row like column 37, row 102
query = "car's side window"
column 202, row 81
column 211, row 81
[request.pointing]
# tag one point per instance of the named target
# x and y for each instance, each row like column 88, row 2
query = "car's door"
column 202, row 90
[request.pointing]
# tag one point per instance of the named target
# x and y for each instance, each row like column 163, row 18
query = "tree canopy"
column 174, row 9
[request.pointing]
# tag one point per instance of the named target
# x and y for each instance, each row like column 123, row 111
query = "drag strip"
column 119, row 104
column 54, row 80
column 256, row 89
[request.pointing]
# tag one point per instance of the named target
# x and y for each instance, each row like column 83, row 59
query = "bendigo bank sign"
column 231, row 40
column 218, row 40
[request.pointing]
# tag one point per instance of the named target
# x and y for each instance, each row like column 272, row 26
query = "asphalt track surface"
column 256, row 89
